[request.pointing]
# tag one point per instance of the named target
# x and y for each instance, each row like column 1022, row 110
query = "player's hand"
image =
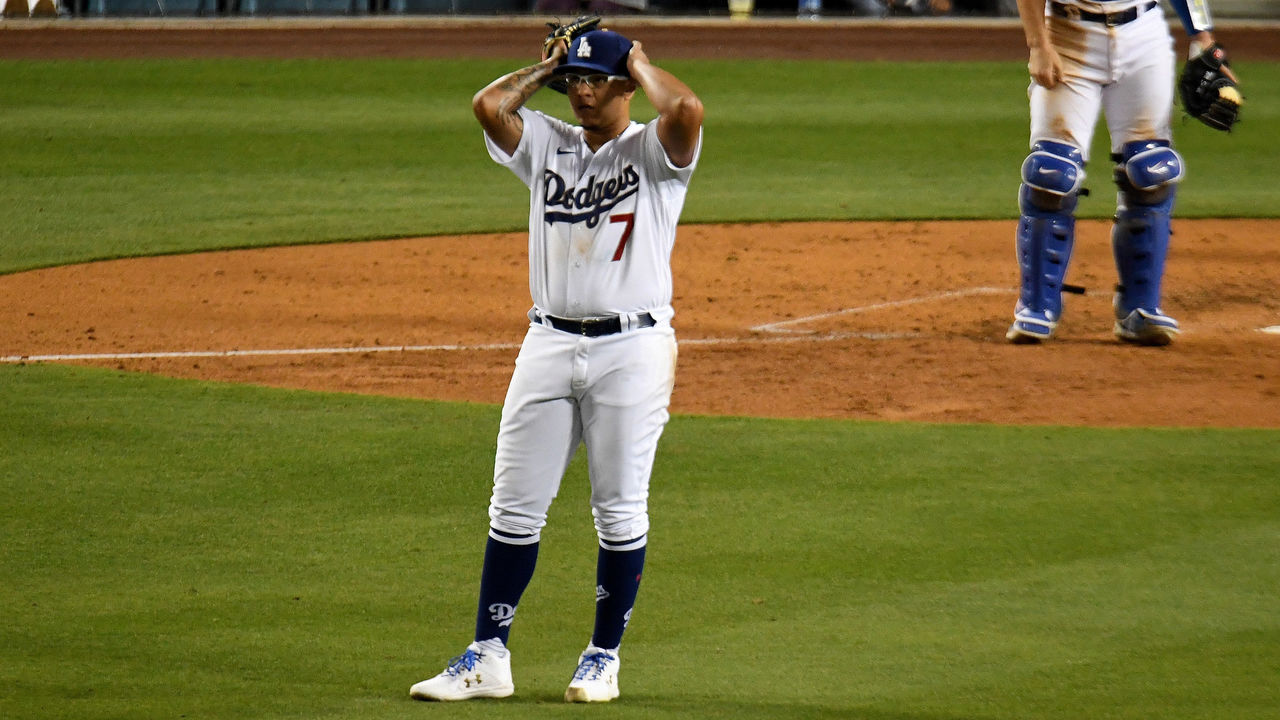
column 1204, row 39
column 557, row 50
column 1045, row 66
column 1210, row 92
column 636, row 57
column 556, row 44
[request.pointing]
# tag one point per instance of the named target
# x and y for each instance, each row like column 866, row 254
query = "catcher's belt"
column 1120, row 17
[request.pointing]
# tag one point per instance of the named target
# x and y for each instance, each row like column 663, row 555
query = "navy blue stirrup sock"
column 507, row 571
column 617, row 582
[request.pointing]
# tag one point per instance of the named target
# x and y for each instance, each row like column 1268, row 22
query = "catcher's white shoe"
column 596, row 679
column 478, row 672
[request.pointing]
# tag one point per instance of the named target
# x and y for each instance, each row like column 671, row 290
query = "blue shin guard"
column 1051, row 179
column 1147, row 174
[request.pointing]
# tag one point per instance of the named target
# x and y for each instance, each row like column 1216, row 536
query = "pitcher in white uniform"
column 1117, row 57
column 598, row 362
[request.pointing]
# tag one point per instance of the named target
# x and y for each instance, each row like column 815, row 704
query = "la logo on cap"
column 584, row 49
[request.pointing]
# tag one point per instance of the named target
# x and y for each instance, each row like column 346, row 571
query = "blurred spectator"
column 919, row 7
column 986, row 8
column 834, row 8
column 884, row 8
column 870, row 8
column 594, row 7
column 692, row 7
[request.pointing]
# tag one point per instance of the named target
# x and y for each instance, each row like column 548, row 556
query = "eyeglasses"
column 595, row 82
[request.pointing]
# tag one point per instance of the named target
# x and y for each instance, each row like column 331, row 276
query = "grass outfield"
column 183, row 549
column 173, row 548
column 116, row 158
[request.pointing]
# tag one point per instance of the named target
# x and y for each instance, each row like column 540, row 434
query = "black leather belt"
column 1109, row 19
column 594, row 327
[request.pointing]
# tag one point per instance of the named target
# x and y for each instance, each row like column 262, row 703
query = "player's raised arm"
column 497, row 105
column 679, row 109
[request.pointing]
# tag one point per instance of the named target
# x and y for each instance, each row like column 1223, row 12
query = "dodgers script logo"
column 503, row 613
column 591, row 201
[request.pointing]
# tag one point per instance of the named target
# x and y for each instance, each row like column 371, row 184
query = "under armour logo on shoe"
column 503, row 613
column 601, row 593
column 584, row 50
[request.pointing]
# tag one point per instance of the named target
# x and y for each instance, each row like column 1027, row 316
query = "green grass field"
column 183, row 549
column 107, row 159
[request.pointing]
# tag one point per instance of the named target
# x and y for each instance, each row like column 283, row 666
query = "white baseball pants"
column 1127, row 71
column 610, row 393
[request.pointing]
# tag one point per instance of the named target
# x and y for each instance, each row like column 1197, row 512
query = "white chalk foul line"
column 781, row 327
column 187, row 354
column 778, row 327
column 825, row 337
column 253, row 353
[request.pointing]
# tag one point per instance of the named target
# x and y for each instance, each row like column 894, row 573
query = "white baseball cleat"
column 596, row 679
column 476, row 673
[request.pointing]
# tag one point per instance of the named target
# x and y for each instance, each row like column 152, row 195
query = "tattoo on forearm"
column 516, row 90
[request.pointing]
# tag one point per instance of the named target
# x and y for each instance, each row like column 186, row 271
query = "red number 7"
column 630, row 220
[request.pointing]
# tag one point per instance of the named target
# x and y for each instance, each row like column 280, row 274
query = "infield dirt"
column 868, row 320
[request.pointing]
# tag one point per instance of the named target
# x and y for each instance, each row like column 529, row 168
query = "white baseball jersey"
column 1124, row 70
column 601, row 224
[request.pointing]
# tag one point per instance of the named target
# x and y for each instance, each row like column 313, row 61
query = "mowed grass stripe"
column 107, row 159
column 175, row 547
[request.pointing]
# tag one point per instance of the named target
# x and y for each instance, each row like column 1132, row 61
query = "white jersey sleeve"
column 538, row 130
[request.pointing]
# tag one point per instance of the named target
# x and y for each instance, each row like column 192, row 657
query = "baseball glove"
column 1209, row 91
column 583, row 25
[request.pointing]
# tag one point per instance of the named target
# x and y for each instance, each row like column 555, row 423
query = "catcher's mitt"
column 584, row 24
column 1209, row 91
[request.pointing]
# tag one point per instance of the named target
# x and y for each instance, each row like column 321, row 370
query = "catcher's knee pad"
column 1052, row 175
column 1147, row 173
column 1051, row 178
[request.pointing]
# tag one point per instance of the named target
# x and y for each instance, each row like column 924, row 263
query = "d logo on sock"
column 503, row 613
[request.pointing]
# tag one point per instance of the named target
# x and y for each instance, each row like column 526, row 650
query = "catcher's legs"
column 1051, row 179
column 1138, row 107
column 1147, row 174
column 1062, row 125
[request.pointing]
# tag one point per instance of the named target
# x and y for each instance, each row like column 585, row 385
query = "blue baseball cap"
column 599, row 51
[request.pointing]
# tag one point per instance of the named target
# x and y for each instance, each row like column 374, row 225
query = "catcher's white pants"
column 1127, row 71
column 610, row 393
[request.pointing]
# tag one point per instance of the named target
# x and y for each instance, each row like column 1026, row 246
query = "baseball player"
column 597, row 364
column 1116, row 56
